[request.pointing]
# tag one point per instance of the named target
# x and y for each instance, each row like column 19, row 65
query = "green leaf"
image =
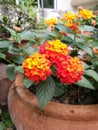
column 85, row 48
column 85, row 83
column 27, row 83
column 18, row 59
column 12, row 31
column 5, row 44
column 2, row 126
column 60, row 89
column 10, row 72
column 13, row 50
column 45, row 91
column 19, row 69
column 30, row 50
column 2, row 55
column 86, row 66
column 86, row 28
column 67, row 39
column 0, row 111
column 89, row 28
column 27, row 35
column 92, row 74
column 63, row 28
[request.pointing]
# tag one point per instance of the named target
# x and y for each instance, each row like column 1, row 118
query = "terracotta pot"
column 26, row 115
column 5, row 84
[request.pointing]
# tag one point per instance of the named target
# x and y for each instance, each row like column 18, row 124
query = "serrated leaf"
column 85, row 83
column 10, row 72
column 19, row 69
column 45, row 91
column 27, row 83
column 2, row 55
column 92, row 74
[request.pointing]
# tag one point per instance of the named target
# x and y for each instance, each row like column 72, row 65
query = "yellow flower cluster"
column 86, row 14
column 51, row 22
column 57, row 46
column 70, row 16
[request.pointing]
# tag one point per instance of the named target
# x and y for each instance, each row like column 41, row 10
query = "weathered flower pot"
column 5, row 84
column 26, row 114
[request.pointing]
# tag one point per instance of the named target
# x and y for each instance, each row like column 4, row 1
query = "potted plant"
column 63, row 61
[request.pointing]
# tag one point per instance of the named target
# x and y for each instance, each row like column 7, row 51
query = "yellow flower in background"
column 70, row 16
column 51, row 22
column 86, row 14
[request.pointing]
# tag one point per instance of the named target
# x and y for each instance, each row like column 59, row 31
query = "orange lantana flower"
column 37, row 67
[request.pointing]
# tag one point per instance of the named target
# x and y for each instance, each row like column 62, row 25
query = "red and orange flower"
column 53, row 53
column 37, row 67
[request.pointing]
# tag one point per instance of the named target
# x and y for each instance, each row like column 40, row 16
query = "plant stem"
column 78, row 94
column 9, row 61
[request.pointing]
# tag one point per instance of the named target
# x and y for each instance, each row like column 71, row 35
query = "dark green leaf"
column 45, row 91
column 86, row 66
column 5, row 44
column 59, row 90
column 13, row 50
column 85, row 48
column 19, row 69
column 18, row 59
column 27, row 83
column 13, row 32
column 27, row 35
column 10, row 72
column 85, row 83
column 63, row 28
column 0, row 111
column 2, row 55
column 30, row 50
column 67, row 39
column 92, row 74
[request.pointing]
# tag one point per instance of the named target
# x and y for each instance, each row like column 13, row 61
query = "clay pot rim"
column 54, row 109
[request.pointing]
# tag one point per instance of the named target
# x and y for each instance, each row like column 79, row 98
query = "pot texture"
column 26, row 115
column 5, row 84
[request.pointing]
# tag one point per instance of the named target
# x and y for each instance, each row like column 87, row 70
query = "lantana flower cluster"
column 37, row 67
column 53, row 54
column 74, row 20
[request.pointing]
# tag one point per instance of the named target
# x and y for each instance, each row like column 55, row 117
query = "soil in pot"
column 75, row 95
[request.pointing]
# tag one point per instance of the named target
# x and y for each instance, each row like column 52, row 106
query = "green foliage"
column 5, row 120
column 10, row 71
column 45, row 91
column 85, row 83
column 27, row 83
